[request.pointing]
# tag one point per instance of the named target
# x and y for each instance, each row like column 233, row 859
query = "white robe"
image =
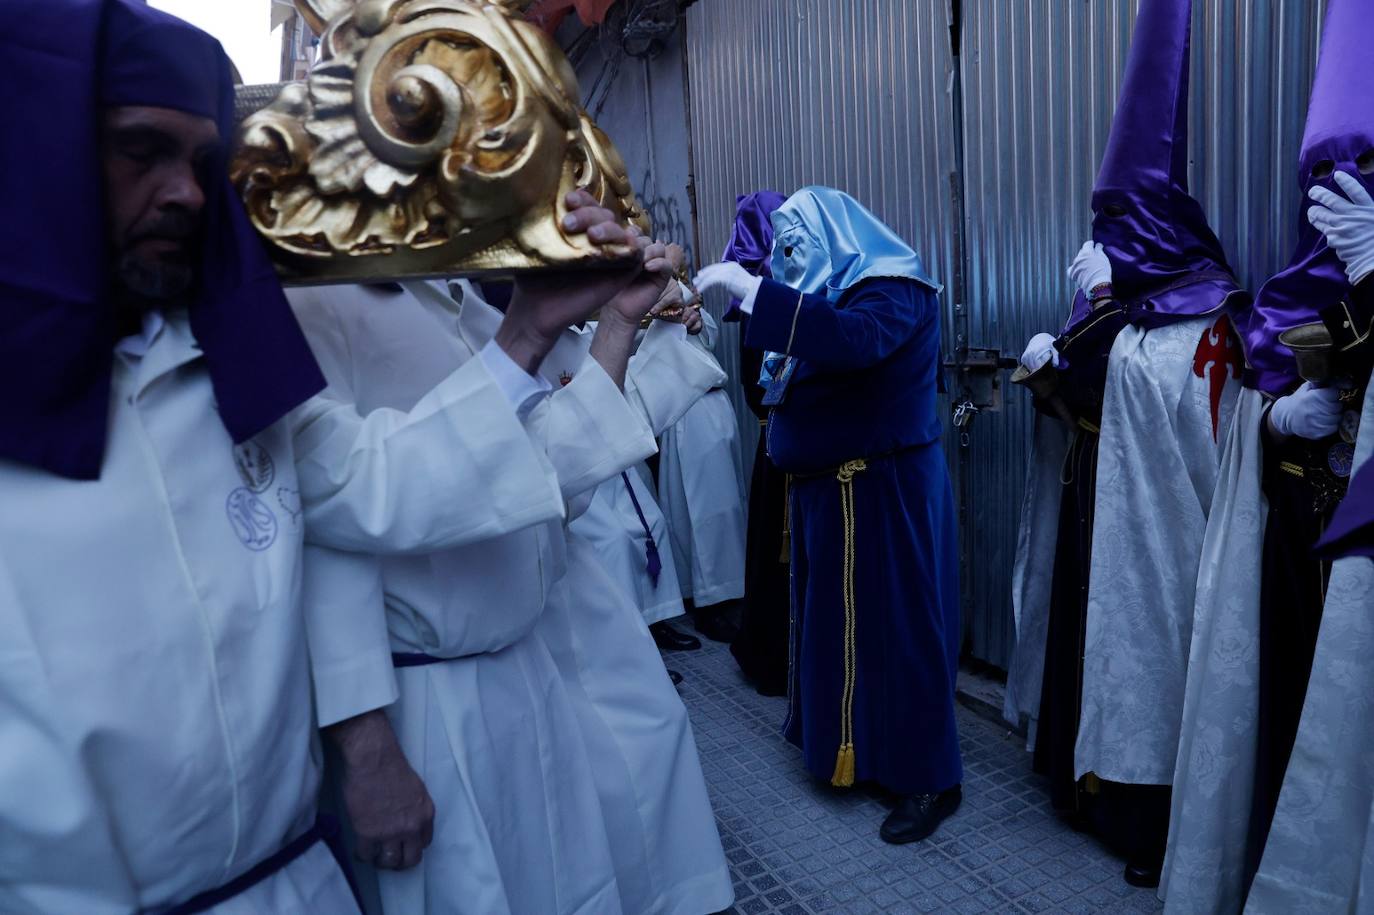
column 492, row 732
column 702, row 495
column 1214, row 778
column 1320, row 853
column 1157, row 470
column 1033, row 572
column 632, row 728
column 155, row 655
column 612, row 523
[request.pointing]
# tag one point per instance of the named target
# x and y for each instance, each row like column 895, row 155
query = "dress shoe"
column 715, row 626
column 1142, row 874
column 675, row 677
column 917, row 816
column 669, row 639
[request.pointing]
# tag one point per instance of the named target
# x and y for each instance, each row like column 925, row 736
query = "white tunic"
column 702, row 495
column 1214, row 777
column 613, row 523
column 155, row 613
column 1320, row 853
column 492, row 733
column 1156, row 473
column 524, row 822
column 1033, row 572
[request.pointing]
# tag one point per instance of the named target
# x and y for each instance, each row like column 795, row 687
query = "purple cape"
column 64, row 61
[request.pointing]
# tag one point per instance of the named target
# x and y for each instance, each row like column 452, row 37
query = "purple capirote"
column 1339, row 136
column 1166, row 261
column 65, row 62
column 751, row 241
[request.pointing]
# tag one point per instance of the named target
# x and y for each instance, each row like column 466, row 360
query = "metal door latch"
column 964, row 414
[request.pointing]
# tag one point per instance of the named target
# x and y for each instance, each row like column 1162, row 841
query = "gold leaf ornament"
column 433, row 137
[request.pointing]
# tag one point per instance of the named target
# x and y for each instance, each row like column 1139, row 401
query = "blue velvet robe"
column 863, row 387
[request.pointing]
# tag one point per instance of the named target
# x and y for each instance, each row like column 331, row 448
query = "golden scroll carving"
column 433, row 137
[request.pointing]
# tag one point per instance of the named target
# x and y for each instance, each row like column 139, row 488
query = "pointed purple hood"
column 1339, row 136
column 751, row 241
column 1165, row 258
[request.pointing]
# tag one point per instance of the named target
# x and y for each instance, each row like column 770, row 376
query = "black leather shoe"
column 1145, row 876
column 669, row 639
column 918, row 816
column 715, row 626
column 675, row 677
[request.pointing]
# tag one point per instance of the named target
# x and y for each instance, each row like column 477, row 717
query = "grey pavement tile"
column 799, row 847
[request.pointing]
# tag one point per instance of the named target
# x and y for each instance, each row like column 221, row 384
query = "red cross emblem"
column 1219, row 357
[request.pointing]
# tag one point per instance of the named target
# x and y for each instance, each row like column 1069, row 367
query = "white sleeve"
column 522, row 389
column 710, row 331
column 668, row 374
column 345, row 630
column 589, row 431
column 456, row 469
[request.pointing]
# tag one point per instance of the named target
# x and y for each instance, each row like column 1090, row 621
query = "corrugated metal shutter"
column 857, row 94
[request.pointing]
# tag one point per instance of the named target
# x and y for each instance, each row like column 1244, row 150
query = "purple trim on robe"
column 1351, row 532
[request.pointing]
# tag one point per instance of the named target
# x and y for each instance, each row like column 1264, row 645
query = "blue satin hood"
column 825, row 242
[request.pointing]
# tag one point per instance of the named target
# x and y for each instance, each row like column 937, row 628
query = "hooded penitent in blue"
column 1167, row 264
column 1339, row 136
column 874, row 544
column 63, row 62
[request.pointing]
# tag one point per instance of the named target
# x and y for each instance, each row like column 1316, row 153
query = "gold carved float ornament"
column 432, row 138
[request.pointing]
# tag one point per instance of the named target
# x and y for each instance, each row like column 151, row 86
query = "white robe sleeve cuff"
column 457, row 469
column 346, row 633
column 589, row 431
column 668, row 374
column 522, row 389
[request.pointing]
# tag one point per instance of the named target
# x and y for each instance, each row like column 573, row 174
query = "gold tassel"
column 844, row 760
column 844, row 767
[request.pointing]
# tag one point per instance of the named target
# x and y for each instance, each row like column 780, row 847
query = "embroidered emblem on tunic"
column 255, row 466
column 1219, row 358
column 1341, row 457
column 565, row 379
column 251, row 519
column 290, row 501
column 1350, row 427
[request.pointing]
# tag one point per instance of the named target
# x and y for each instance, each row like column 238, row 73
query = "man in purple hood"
column 1280, row 631
column 1148, row 369
column 163, row 460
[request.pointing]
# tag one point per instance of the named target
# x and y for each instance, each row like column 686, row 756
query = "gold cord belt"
column 844, row 760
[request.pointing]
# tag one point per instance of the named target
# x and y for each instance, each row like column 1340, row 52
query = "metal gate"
column 975, row 129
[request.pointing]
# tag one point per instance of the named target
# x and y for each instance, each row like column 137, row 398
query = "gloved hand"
column 731, row 277
column 1039, row 351
column 1347, row 224
column 1090, row 268
column 1309, row 412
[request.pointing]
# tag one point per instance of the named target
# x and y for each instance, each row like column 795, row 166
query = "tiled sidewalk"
column 796, row 846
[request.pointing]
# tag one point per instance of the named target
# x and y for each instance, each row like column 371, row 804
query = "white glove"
column 1039, row 351
column 1308, row 412
column 1090, row 268
column 1347, row 224
column 734, row 279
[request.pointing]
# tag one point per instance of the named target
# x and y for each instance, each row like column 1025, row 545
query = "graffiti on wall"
column 668, row 213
